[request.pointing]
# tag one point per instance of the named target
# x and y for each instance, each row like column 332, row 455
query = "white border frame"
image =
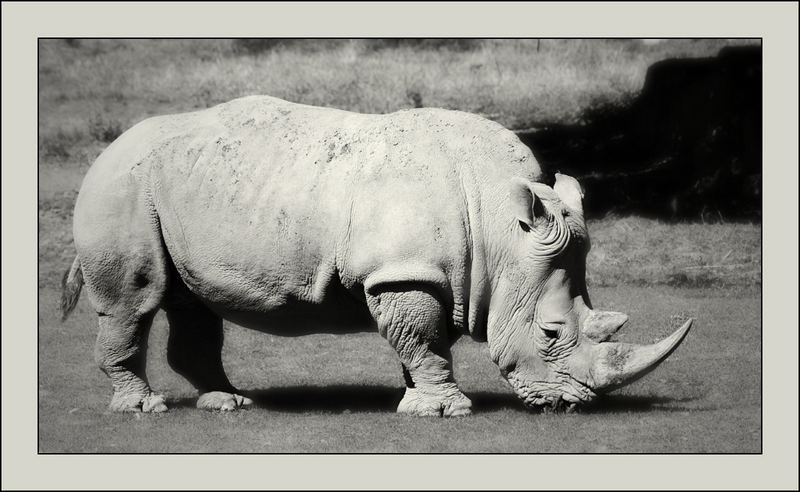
column 776, row 23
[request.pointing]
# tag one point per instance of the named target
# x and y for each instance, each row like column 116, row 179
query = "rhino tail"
column 71, row 288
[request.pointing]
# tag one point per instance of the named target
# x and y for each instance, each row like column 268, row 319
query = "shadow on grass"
column 355, row 398
column 484, row 401
column 637, row 403
column 338, row 398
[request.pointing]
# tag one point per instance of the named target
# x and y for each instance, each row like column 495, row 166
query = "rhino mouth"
column 566, row 395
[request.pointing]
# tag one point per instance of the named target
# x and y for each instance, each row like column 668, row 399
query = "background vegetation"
column 92, row 89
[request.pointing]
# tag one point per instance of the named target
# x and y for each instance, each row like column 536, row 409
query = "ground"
column 328, row 393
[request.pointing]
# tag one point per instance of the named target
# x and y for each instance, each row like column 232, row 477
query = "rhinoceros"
column 425, row 224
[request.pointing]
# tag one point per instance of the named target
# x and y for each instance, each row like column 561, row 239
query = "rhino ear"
column 525, row 205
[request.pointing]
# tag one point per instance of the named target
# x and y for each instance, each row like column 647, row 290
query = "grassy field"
column 337, row 394
column 325, row 393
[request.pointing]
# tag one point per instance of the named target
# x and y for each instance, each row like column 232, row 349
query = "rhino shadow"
column 374, row 398
column 637, row 403
column 488, row 401
column 334, row 399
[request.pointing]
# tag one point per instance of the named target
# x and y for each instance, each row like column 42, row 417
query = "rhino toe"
column 153, row 403
column 458, row 408
column 149, row 403
column 222, row 401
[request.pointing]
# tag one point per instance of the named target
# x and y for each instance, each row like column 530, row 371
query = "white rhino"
column 428, row 224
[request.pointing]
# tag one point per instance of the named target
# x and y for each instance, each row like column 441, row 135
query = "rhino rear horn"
column 617, row 364
column 600, row 325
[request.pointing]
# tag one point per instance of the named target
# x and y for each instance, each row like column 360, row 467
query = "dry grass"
column 120, row 82
column 638, row 251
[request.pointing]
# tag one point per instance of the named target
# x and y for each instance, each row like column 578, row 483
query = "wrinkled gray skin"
column 294, row 219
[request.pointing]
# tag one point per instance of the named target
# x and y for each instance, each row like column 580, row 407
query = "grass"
column 337, row 394
column 326, row 393
column 638, row 251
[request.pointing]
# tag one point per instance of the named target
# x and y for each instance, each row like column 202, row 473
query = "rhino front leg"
column 194, row 350
column 413, row 320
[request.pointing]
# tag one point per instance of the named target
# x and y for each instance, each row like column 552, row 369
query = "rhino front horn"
column 617, row 364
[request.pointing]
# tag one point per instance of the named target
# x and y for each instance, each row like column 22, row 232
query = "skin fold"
column 424, row 224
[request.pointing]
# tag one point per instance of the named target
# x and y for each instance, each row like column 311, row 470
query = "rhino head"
column 549, row 343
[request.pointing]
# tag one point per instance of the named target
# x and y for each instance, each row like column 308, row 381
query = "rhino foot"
column 220, row 400
column 435, row 404
column 149, row 403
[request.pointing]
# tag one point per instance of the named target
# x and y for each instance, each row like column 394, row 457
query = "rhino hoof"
column 457, row 411
column 423, row 404
column 222, row 401
column 150, row 403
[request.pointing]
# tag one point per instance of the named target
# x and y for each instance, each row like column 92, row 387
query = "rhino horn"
column 600, row 325
column 569, row 190
column 617, row 364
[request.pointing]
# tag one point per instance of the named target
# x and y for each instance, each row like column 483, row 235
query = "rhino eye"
column 550, row 333
column 551, row 330
column 552, row 326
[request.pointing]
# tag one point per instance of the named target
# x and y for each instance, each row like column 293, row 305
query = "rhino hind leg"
column 120, row 352
column 123, row 264
column 194, row 350
column 126, row 304
column 412, row 319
